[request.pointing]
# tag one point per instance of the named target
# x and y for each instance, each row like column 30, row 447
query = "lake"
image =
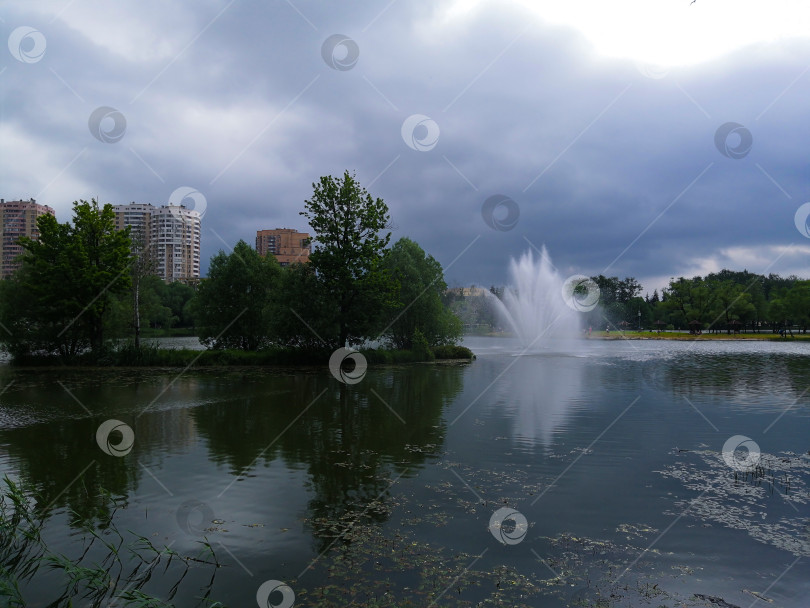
column 591, row 477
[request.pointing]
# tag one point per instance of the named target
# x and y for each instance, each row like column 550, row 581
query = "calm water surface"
column 382, row 493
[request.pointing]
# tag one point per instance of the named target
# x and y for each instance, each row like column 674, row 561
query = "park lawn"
column 685, row 335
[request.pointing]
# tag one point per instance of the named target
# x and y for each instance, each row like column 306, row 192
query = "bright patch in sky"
column 668, row 32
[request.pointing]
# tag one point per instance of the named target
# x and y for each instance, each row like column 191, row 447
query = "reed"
column 122, row 564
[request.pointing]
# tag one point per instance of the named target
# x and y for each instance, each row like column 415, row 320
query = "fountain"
column 544, row 311
column 534, row 304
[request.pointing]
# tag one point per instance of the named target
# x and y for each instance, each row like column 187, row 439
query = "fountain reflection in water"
column 546, row 381
column 539, row 396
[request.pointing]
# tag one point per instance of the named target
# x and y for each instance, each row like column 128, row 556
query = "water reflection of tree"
column 60, row 459
column 63, row 464
column 352, row 438
column 739, row 376
column 350, row 441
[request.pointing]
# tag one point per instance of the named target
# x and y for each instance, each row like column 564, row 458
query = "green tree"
column 152, row 312
column 628, row 288
column 615, row 313
column 797, row 304
column 175, row 296
column 154, row 309
column 730, row 303
column 688, row 300
column 68, row 281
column 634, row 306
column 347, row 222
column 299, row 312
column 475, row 311
column 420, row 286
column 230, row 304
column 608, row 289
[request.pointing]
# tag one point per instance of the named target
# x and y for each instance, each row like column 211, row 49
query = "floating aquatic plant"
column 763, row 500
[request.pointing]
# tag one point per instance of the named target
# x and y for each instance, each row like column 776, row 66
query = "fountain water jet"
column 533, row 305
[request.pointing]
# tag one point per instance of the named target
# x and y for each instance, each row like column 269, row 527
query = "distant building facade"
column 287, row 245
column 17, row 218
column 467, row 292
column 170, row 232
column 139, row 217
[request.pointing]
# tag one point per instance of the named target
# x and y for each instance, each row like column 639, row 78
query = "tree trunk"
column 344, row 333
column 97, row 335
column 137, row 319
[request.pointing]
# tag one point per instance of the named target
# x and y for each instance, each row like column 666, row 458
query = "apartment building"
column 286, row 244
column 171, row 233
column 17, row 218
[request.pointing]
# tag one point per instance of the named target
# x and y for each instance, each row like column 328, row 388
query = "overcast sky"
column 605, row 123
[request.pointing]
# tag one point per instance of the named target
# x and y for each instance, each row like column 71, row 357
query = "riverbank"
column 674, row 335
column 154, row 356
column 722, row 336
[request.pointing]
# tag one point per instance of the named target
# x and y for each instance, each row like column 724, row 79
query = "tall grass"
column 123, row 565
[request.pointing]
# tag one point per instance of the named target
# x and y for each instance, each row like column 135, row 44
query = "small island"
column 86, row 292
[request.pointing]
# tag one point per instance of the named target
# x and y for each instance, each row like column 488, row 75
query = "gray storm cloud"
column 615, row 168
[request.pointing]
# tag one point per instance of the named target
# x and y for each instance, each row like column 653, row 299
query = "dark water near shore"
column 383, row 491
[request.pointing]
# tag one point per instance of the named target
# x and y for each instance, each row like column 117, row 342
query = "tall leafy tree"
column 298, row 312
column 349, row 227
column 230, row 305
column 731, row 303
column 420, row 286
column 69, row 279
column 689, row 300
column 176, row 296
column 797, row 304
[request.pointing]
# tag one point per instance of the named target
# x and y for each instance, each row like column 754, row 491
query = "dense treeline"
column 721, row 301
column 84, row 283
column 725, row 301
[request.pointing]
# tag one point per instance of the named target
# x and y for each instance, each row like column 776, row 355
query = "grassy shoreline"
column 154, row 356
column 684, row 335
column 720, row 337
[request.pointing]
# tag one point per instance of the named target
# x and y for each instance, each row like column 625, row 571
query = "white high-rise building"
column 172, row 235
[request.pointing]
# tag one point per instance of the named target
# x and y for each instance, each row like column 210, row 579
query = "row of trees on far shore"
column 82, row 283
column 721, row 301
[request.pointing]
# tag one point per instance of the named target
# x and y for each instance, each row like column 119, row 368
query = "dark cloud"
column 613, row 170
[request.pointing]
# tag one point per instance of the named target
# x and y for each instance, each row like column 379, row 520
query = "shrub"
column 453, row 351
column 421, row 348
